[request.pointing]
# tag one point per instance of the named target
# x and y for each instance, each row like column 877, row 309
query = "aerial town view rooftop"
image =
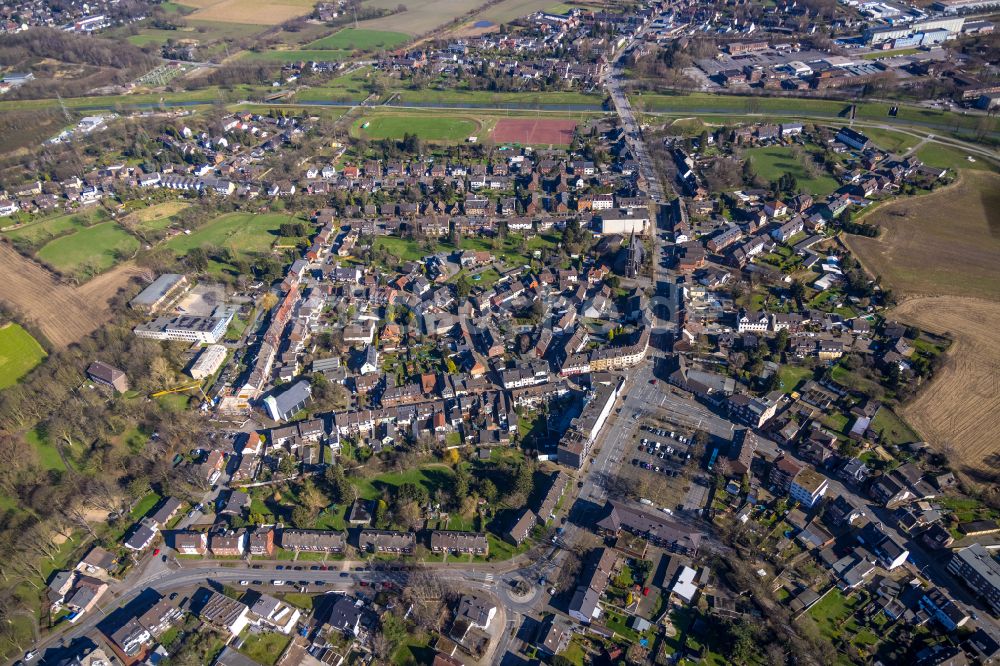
column 507, row 332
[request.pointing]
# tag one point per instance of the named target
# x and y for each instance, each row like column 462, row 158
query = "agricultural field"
column 940, row 253
column 64, row 313
column 959, row 412
column 202, row 32
column 19, row 353
column 447, row 128
column 364, row 40
column 508, row 10
column 240, row 232
column 942, row 243
column 90, row 251
column 771, row 162
column 421, row 16
column 255, row 12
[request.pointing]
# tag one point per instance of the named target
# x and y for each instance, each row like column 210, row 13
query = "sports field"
column 427, row 127
column 240, row 232
column 356, row 39
column 771, row 162
column 257, row 12
column 90, row 251
column 534, row 131
column 19, row 353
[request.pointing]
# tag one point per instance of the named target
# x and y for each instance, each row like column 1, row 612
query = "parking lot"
column 656, row 467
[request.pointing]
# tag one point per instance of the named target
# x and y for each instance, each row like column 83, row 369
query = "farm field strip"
column 352, row 38
column 959, row 412
column 62, row 312
column 257, row 12
column 421, row 16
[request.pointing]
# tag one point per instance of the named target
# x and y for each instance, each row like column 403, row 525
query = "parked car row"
column 673, row 473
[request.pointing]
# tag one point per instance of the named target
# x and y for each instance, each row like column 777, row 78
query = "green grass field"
column 319, row 55
column 48, row 455
column 771, row 162
column 19, row 353
column 895, row 142
column 427, row 127
column 937, row 155
column 158, row 216
column 431, row 477
column 42, row 230
column 89, row 251
column 354, row 39
column 705, row 103
column 486, row 98
column 240, row 232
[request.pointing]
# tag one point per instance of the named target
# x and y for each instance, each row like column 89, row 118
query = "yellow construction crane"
column 180, row 389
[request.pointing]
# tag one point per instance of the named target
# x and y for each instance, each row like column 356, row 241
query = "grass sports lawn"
column 427, row 127
column 771, row 162
column 240, row 232
column 351, row 38
column 19, row 353
column 90, row 250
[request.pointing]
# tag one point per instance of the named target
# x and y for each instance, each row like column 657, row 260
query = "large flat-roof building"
column 159, row 292
column 980, row 571
column 187, row 329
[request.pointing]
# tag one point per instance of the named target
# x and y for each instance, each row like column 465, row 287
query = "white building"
column 210, row 360
column 808, row 487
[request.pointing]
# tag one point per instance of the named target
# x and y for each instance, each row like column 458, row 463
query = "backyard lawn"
column 892, row 428
column 19, row 353
column 265, row 648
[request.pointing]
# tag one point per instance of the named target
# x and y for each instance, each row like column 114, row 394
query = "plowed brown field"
column 959, row 412
column 64, row 313
column 941, row 254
